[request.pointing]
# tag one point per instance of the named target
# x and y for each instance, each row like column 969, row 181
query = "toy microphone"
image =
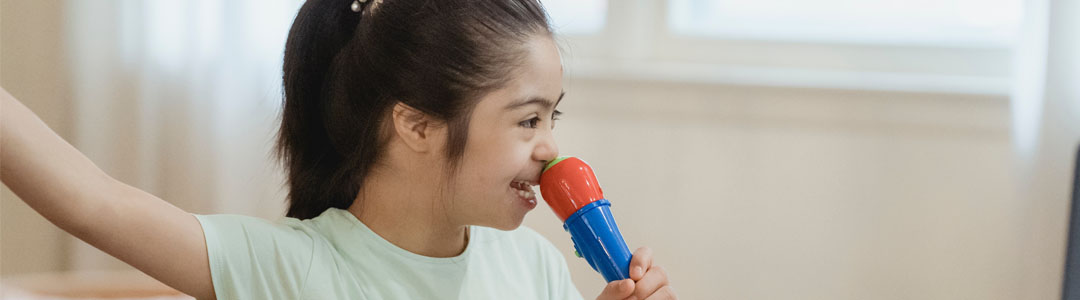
column 569, row 186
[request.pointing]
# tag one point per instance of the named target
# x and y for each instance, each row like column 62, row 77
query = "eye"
column 530, row 123
column 554, row 117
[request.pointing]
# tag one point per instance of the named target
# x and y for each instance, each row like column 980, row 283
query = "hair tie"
column 356, row 5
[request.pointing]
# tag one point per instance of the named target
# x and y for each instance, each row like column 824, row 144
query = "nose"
column 546, row 150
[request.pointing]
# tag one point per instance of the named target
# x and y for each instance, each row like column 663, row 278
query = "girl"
column 412, row 134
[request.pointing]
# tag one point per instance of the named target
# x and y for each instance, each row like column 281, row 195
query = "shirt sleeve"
column 252, row 258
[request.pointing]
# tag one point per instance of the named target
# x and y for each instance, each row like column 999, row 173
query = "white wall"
column 773, row 193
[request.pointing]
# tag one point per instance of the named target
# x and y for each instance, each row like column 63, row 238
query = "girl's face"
column 510, row 139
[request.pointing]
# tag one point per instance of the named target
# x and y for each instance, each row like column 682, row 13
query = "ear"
column 417, row 129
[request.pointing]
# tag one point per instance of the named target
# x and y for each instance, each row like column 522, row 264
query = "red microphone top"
column 567, row 184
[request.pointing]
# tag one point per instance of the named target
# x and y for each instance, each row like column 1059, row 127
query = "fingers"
column 665, row 293
column 650, row 282
column 617, row 290
column 640, row 262
column 655, row 279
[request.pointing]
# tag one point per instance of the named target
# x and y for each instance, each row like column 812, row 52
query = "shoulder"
column 252, row 257
column 233, row 228
column 237, row 236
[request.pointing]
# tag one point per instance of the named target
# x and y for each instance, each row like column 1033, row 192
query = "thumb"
column 617, row 290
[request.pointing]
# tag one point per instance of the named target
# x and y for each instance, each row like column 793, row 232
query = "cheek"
column 481, row 161
column 496, row 159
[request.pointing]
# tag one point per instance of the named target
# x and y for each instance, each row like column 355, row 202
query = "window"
column 949, row 46
column 980, row 23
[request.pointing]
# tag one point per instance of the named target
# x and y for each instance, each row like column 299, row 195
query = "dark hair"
column 344, row 71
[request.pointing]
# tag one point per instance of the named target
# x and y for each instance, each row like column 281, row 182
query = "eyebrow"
column 535, row 100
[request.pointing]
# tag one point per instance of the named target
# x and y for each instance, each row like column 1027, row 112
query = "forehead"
column 538, row 76
column 542, row 68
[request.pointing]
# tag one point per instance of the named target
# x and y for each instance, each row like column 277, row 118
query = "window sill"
column 633, row 70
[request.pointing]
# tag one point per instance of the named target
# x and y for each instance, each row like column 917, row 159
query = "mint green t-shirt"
column 335, row 256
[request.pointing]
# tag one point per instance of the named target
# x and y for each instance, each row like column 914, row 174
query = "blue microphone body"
column 597, row 239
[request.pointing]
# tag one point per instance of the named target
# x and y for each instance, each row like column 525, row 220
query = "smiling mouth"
column 524, row 190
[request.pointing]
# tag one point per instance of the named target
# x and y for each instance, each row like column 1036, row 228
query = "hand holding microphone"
column 570, row 188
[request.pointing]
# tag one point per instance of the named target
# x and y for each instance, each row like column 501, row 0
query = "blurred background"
column 765, row 149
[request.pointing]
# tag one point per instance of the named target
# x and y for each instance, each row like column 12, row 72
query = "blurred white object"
column 1046, row 131
column 577, row 16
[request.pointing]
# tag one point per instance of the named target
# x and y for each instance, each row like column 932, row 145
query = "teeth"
column 525, row 194
column 523, row 185
column 523, row 189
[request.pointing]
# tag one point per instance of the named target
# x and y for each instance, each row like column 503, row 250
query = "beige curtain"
column 180, row 98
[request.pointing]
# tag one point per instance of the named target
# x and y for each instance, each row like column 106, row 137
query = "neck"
column 408, row 212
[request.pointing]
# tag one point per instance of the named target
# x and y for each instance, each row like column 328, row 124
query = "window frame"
column 635, row 43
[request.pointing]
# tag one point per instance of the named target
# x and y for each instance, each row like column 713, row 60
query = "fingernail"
column 637, row 272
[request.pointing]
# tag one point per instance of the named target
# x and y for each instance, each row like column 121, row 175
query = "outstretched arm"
column 65, row 187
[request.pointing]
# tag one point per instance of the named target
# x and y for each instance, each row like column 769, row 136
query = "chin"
column 506, row 224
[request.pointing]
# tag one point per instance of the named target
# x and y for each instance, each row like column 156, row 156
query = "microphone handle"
column 597, row 239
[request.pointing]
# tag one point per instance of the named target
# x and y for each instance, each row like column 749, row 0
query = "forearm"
column 46, row 172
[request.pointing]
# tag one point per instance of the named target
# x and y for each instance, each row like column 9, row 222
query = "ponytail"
column 317, row 174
